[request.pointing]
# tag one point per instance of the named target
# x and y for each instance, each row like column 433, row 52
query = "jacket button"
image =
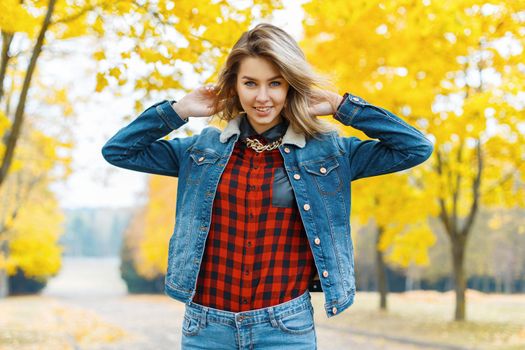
column 355, row 98
column 323, row 170
column 306, row 207
column 297, row 176
column 325, row 273
column 201, row 159
column 287, row 150
column 334, row 310
column 317, row 240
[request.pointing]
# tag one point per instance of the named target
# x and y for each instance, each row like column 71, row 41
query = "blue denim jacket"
column 320, row 171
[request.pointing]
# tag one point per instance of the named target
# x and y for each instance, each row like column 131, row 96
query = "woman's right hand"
column 198, row 103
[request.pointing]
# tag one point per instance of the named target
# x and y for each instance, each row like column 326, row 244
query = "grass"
column 493, row 321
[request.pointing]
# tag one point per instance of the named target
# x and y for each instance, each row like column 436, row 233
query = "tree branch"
column 443, row 215
column 82, row 12
column 19, row 113
column 475, row 192
column 457, row 189
column 7, row 38
column 508, row 176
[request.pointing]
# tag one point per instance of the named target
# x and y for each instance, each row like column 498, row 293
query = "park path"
column 154, row 321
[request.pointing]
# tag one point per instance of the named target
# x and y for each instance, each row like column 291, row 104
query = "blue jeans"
column 289, row 325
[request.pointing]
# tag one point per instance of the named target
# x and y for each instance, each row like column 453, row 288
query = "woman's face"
column 262, row 92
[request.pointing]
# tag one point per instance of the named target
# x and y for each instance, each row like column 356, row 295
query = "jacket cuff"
column 168, row 115
column 349, row 107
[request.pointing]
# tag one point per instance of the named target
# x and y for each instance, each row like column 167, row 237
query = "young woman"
column 263, row 206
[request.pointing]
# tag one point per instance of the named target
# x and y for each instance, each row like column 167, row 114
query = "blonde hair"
column 274, row 44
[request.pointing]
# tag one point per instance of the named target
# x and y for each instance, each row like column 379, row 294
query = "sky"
column 94, row 182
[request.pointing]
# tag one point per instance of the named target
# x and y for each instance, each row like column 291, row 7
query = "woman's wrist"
column 340, row 100
column 179, row 109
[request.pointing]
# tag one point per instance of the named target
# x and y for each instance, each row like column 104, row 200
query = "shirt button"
column 286, row 150
column 325, row 273
column 317, row 240
column 201, row 159
column 323, row 170
column 297, row 176
column 244, row 301
column 334, row 310
column 306, row 207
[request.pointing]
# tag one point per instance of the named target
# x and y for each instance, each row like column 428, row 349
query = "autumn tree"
column 152, row 252
column 403, row 236
column 31, row 219
column 27, row 28
column 455, row 70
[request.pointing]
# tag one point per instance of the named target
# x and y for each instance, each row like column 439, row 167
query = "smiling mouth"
column 263, row 109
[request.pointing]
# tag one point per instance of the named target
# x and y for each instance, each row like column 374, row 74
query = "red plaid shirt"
column 257, row 253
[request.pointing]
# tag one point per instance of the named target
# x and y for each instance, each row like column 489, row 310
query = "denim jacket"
column 319, row 169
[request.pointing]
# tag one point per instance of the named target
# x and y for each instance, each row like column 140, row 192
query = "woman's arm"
column 137, row 145
column 400, row 145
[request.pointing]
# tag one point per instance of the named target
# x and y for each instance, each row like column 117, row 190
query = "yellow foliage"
column 14, row 17
column 115, row 72
column 99, row 55
column 32, row 234
column 34, row 244
column 102, row 82
column 5, row 125
column 159, row 222
column 200, row 33
column 411, row 246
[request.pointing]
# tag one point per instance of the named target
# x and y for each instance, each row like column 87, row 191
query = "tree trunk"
column 4, row 279
column 458, row 255
column 382, row 285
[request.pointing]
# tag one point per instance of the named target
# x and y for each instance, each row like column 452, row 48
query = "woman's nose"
column 262, row 94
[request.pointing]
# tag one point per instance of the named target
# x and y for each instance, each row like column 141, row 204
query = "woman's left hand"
column 323, row 102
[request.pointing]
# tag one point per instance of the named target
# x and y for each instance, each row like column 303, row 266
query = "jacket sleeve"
column 138, row 146
column 400, row 145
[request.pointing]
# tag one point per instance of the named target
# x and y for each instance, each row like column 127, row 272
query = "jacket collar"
column 290, row 136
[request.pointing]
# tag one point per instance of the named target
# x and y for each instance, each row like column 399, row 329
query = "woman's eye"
column 277, row 83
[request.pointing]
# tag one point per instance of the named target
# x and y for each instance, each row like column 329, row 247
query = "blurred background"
column 439, row 249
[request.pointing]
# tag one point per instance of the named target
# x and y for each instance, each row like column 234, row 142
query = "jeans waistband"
column 267, row 314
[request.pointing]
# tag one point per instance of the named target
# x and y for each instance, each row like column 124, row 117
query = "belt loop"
column 204, row 316
column 272, row 317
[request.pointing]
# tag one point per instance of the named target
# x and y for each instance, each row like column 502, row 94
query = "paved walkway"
column 154, row 321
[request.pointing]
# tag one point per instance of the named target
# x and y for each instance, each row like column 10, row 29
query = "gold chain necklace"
column 258, row 147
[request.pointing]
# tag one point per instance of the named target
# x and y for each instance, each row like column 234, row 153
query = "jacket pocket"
column 326, row 175
column 200, row 161
column 282, row 196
